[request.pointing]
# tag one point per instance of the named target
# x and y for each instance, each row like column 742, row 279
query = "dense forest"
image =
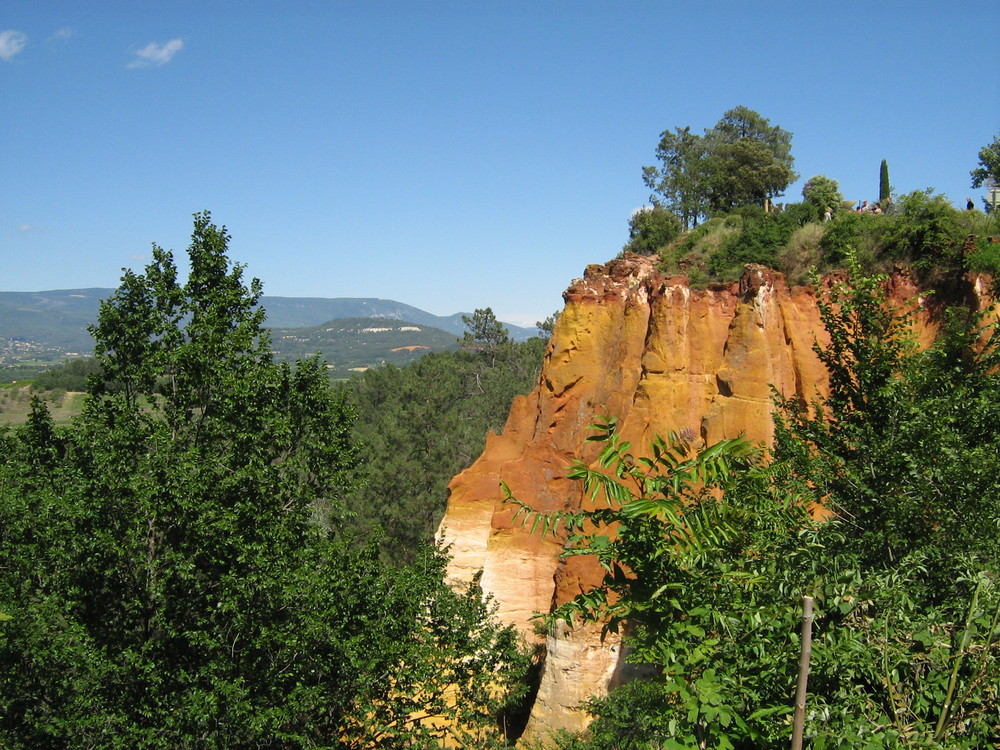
column 224, row 550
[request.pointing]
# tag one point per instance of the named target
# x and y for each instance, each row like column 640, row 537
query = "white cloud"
column 11, row 43
column 64, row 33
column 29, row 228
column 157, row 54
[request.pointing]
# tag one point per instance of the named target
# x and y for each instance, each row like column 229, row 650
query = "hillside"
column 352, row 344
column 44, row 328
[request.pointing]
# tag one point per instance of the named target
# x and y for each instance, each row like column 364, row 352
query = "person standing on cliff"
column 969, row 205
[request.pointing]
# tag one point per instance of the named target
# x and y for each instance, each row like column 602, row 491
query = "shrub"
column 849, row 232
column 689, row 253
column 651, row 228
column 763, row 234
column 928, row 233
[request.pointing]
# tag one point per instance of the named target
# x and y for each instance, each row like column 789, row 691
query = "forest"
column 223, row 550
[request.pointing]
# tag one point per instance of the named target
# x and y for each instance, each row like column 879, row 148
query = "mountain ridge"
column 51, row 325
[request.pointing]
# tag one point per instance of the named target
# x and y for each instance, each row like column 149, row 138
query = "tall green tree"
column 680, row 183
column 169, row 571
column 485, row 333
column 419, row 426
column 742, row 161
column 749, row 160
column 884, row 190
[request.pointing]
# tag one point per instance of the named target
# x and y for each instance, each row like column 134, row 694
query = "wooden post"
column 805, row 652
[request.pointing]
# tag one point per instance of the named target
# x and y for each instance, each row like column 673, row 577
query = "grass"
column 15, row 404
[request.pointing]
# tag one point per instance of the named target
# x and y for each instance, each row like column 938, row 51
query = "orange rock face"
column 658, row 356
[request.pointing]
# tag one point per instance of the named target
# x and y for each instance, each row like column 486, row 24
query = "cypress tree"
column 883, row 183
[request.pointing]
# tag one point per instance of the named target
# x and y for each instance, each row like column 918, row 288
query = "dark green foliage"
column 928, row 233
column 884, row 189
column 650, row 229
column 72, row 375
column 167, row 566
column 985, row 258
column 750, row 161
column 989, row 165
column 850, row 234
column 485, row 333
column 420, row 425
column 680, row 184
column 742, row 161
column 712, row 550
column 762, row 235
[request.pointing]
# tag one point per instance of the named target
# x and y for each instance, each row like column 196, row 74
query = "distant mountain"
column 48, row 327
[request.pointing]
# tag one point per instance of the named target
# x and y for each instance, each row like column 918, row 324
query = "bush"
column 651, row 228
column 690, row 252
column 849, row 232
column 928, row 233
column 763, row 234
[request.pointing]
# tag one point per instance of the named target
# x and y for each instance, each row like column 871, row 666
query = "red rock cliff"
column 659, row 356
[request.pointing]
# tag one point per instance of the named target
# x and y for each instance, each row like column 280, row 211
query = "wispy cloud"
column 59, row 34
column 157, row 54
column 29, row 228
column 11, row 43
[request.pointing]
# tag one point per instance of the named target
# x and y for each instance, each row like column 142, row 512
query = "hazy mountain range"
column 51, row 326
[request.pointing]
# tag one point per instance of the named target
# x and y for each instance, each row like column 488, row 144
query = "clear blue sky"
column 449, row 155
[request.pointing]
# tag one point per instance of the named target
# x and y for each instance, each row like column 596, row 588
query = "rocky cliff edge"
column 659, row 356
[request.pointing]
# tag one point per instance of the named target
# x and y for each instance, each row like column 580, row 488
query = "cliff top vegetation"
column 713, row 211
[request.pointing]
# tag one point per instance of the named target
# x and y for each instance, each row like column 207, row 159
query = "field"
column 15, row 403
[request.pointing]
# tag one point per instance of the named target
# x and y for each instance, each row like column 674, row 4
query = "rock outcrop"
column 658, row 356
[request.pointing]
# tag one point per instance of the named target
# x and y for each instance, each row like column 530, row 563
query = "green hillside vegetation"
column 728, row 180
column 217, row 548
column 39, row 330
column 351, row 344
column 421, row 424
column 923, row 232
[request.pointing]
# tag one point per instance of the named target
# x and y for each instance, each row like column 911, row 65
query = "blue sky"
column 449, row 155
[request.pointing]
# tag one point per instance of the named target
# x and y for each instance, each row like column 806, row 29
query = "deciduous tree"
column 169, row 571
column 823, row 192
column 989, row 165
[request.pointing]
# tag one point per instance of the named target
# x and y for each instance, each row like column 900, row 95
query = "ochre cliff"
column 659, row 356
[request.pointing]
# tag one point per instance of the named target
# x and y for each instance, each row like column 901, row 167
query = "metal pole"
column 805, row 652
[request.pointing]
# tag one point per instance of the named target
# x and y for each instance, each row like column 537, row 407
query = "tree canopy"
column 169, row 568
column 650, row 229
column 743, row 160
